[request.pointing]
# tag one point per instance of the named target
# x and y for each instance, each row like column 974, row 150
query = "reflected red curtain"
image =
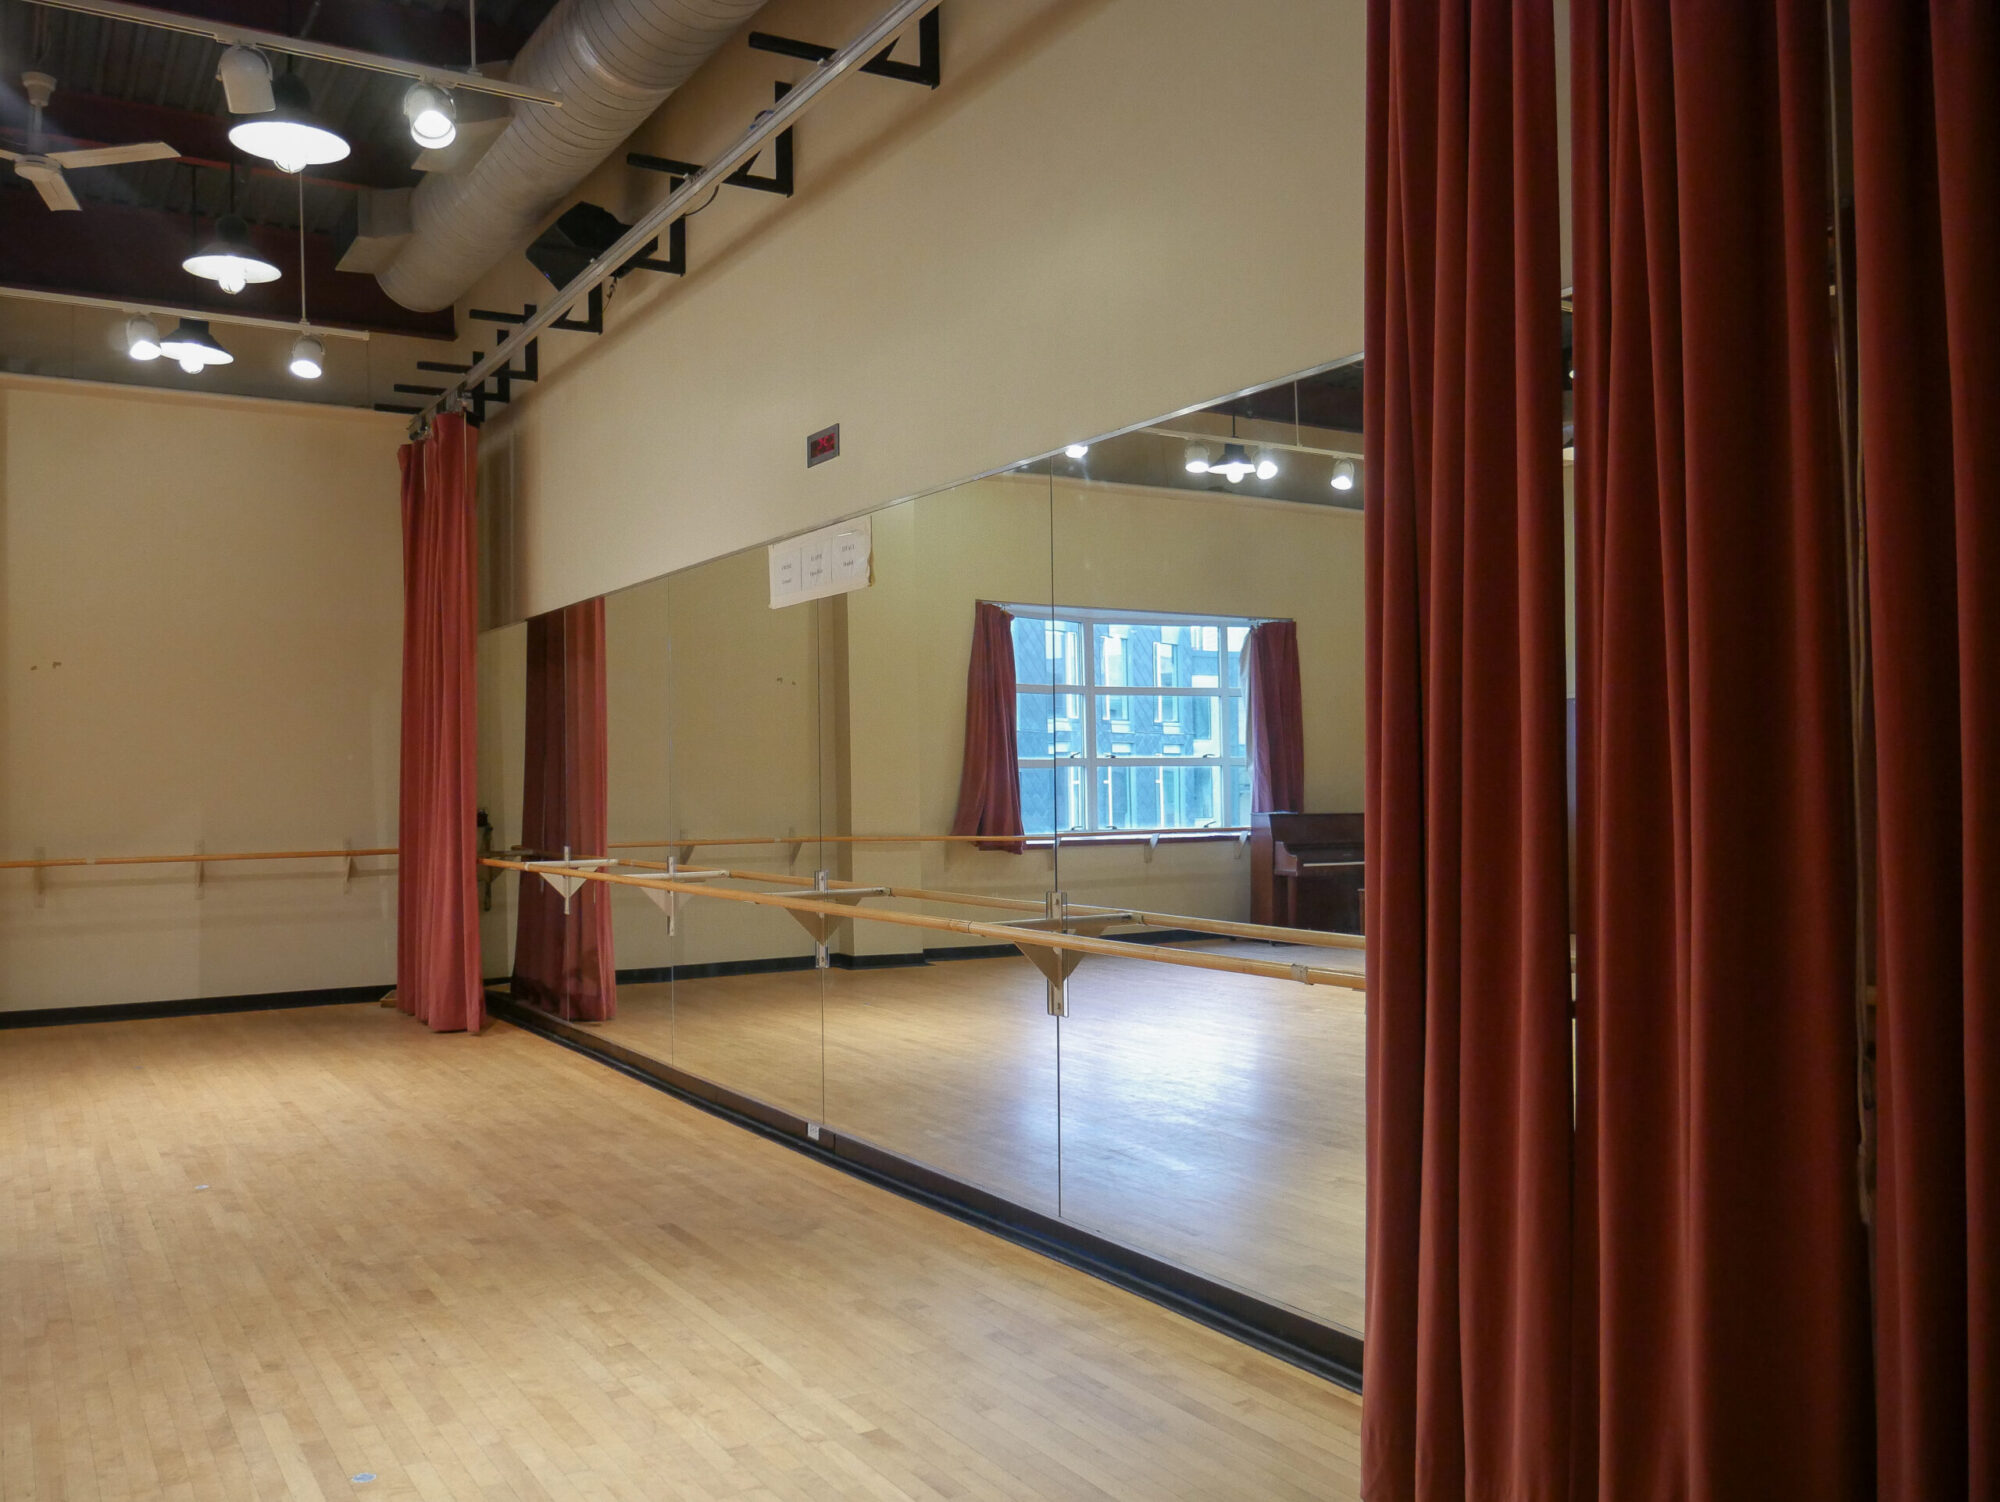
column 1927, row 223
column 1277, row 728
column 989, row 786
column 563, row 960
column 1467, row 1353
column 437, row 908
column 1722, row 1319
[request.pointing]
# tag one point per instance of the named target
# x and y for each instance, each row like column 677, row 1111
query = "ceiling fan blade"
column 55, row 192
column 113, row 156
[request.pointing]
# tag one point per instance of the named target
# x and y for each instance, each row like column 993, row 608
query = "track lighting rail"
column 636, row 241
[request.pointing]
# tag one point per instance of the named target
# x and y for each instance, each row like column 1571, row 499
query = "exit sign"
column 823, row 445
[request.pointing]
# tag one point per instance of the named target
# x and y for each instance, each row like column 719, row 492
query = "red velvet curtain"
column 437, row 908
column 1277, row 728
column 989, row 787
column 1722, row 1325
column 563, row 960
column 1927, row 223
column 1467, row 1355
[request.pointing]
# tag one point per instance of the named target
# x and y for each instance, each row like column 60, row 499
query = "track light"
column 142, row 338
column 1267, row 468
column 1343, row 474
column 1197, row 458
column 230, row 260
column 431, row 115
column 246, row 81
column 1076, row 451
column 193, row 348
column 308, row 357
column 289, row 135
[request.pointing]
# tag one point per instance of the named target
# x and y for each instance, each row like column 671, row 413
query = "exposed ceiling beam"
column 134, row 256
column 99, row 120
column 415, row 32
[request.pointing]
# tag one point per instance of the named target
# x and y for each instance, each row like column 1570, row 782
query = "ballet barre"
column 200, row 859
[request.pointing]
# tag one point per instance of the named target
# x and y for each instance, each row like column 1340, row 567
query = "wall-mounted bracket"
column 820, row 927
column 347, row 868
column 592, row 321
column 200, row 873
column 1057, row 965
column 778, row 180
column 928, row 70
column 41, row 877
column 670, row 902
column 559, row 874
column 398, row 408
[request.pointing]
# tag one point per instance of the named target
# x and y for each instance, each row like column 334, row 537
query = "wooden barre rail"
column 1077, row 836
column 1156, row 954
column 1222, row 927
column 199, row 858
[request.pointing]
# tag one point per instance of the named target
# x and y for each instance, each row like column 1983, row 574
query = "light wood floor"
column 256, row 1256
column 1214, row 1120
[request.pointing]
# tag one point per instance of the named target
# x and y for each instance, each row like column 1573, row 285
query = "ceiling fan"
column 45, row 169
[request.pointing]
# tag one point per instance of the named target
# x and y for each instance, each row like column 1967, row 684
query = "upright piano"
column 1307, row 871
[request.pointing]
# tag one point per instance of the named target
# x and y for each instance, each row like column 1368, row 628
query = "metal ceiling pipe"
column 612, row 62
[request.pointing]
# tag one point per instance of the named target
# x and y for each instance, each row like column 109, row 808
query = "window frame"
column 1092, row 762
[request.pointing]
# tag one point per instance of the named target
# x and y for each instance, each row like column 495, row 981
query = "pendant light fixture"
column 192, row 347
column 1236, row 465
column 290, row 135
column 308, row 352
column 228, row 259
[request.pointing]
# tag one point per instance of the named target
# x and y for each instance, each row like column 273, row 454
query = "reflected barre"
column 1221, row 927
column 1239, row 833
column 197, row 858
column 1023, row 938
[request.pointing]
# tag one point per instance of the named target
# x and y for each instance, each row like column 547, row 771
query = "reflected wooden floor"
column 259, row 1255
column 1211, row 1119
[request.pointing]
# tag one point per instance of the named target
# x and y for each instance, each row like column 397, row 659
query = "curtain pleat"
column 989, row 788
column 1722, row 1330
column 1927, row 225
column 563, row 960
column 437, row 908
column 1275, row 709
column 1467, row 1351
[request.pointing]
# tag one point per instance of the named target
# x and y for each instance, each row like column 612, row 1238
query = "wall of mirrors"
column 1210, row 1118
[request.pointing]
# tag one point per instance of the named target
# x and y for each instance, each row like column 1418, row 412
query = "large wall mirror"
column 1031, row 859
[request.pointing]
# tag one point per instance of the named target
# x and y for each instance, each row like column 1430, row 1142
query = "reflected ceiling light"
column 142, row 338
column 193, row 348
column 431, row 115
column 1197, row 458
column 1267, row 467
column 1343, row 474
column 289, row 135
column 246, row 81
column 230, row 260
column 1235, row 463
column 1076, row 451
column 308, row 357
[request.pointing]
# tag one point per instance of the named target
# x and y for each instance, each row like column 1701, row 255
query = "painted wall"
column 1111, row 209
column 200, row 630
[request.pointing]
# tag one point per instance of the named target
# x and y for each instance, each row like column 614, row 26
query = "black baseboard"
column 1322, row 1349
column 196, row 1006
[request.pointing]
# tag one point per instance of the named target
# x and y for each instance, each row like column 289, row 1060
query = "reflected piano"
column 1307, row 871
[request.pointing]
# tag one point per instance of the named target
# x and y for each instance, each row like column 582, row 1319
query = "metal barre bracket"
column 556, row 873
column 670, row 902
column 1057, row 965
column 820, row 927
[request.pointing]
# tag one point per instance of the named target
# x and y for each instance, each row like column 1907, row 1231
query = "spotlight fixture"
column 1235, row 463
column 193, row 348
column 1343, row 474
column 308, row 357
column 230, row 260
column 142, row 338
column 431, row 115
column 1076, row 451
column 246, row 81
column 289, row 134
column 1197, row 458
column 1267, row 467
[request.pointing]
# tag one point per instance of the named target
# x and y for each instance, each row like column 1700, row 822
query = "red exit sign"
column 823, row 445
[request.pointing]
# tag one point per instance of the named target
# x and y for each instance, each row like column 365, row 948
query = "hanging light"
column 193, row 348
column 290, row 134
column 142, row 338
column 246, row 81
column 308, row 357
column 1197, row 458
column 432, row 116
column 1076, row 451
column 1234, row 464
column 230, row 260
column 1343, row 474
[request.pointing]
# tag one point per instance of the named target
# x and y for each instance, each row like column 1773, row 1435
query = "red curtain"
column 437, row 908
column 1927, row 224
column 563, row 960
column 1467, row 1355
column 1722, row 1325
column 1277, row 729
column 989, row 787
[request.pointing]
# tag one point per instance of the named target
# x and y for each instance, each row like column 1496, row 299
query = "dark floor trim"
column 1321, row 1349
column 198, row 1006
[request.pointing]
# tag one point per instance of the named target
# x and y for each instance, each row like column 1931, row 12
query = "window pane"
column 1159, row 797
column 1038, row 798
column 1239, row 810
column 1157, row 725
column 1071, row 803
column 1238, row 635
column 1049, row 724
column 1047, row 651
column 1238, row 716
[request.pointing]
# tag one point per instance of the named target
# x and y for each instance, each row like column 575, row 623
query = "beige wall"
column 200, row 630
column 1111, row 209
